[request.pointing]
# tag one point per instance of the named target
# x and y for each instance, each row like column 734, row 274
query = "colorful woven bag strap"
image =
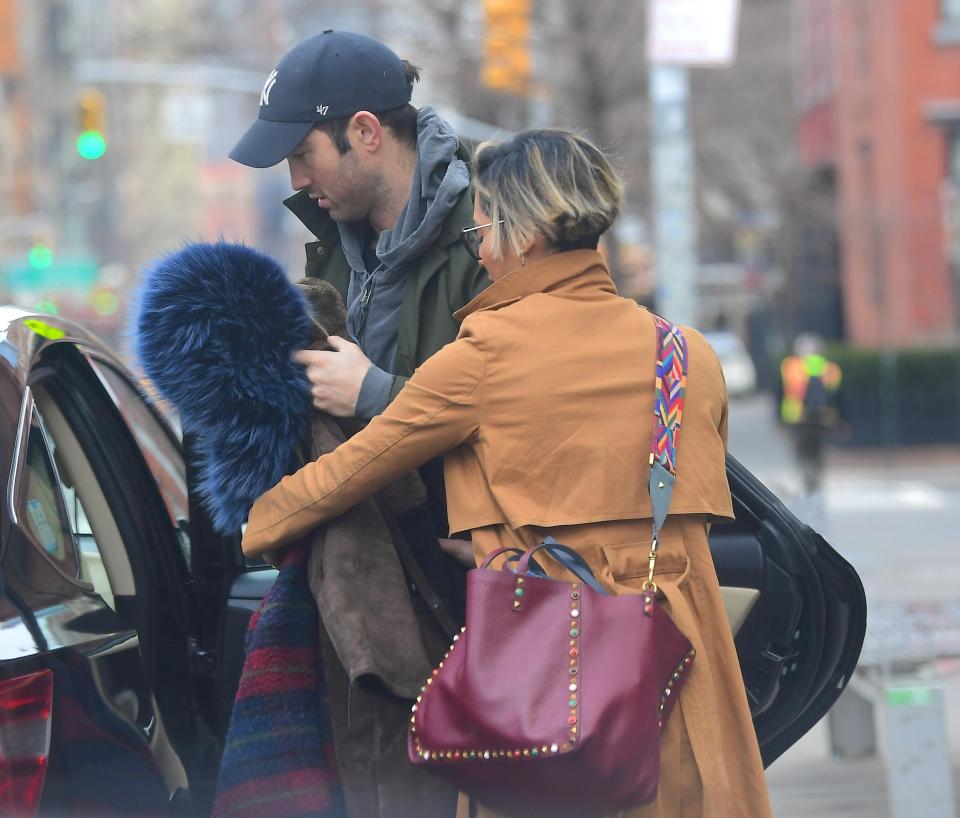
column 669, row 394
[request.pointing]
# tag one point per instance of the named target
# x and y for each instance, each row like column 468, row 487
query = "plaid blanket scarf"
column 279, row 757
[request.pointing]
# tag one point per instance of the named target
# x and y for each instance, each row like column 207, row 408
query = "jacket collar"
column 314, row 218
column 574, row 272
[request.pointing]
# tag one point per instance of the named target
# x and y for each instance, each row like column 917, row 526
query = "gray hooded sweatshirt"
column 375, row 293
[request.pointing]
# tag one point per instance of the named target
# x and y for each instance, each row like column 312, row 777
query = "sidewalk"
column 834, row 789
column 894, row 514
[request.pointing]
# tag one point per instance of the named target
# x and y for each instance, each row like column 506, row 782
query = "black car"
column 122, row 614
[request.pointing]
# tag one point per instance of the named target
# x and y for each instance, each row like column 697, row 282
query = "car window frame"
column 17, row 485
column 97, row 363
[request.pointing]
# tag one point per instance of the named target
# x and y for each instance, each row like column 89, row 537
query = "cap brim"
column 267, row 143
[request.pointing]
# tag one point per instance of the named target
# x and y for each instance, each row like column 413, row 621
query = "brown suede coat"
column 375, row 647
column 544, row 406
column 376, row 651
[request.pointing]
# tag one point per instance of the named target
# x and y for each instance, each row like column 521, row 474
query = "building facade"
column 878, row 90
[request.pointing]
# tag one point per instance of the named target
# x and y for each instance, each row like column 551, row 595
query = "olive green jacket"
column 445, row 279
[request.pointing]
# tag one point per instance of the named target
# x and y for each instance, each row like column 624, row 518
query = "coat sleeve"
column 436, row 411
column 399, row 381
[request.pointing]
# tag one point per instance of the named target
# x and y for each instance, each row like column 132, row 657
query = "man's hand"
column 335, row 377
column 460, row 550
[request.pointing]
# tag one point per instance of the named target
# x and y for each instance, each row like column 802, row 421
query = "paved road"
column 895, row 516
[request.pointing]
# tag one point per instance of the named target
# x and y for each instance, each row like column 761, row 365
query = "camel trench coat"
column 543, row 407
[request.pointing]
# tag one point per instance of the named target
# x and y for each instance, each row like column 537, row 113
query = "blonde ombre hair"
column 547, row 182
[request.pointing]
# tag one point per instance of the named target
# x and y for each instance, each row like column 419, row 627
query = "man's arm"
column 438, row 410
column 350, row 386
column 378, row 390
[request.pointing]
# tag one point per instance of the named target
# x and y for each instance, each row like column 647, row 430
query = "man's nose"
column 298, row 179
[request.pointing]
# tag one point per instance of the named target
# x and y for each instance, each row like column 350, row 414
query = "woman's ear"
column 536, row 246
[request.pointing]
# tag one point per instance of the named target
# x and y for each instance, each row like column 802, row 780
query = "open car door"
column 797, row 609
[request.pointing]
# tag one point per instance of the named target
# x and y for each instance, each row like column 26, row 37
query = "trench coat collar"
column 571, row 272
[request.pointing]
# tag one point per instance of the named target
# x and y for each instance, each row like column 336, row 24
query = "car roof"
column 24, row 334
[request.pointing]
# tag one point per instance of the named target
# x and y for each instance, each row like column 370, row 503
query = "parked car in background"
column 122, row 615
column 738, row 369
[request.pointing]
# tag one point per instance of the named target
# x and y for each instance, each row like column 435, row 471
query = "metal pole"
column 674, row 209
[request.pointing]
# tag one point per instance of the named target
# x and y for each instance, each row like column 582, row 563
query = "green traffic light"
column 91, row 145
column 40, row 257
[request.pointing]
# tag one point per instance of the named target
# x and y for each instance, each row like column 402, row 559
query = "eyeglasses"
column 472, row 238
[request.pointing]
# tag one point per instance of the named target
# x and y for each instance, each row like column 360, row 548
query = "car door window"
column 92, row 567
column 89, row 563
column 41, row 510
column 160, row 451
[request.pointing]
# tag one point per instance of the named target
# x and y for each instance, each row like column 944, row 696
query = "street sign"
column 692, row 32
column 917, row 757
column 77, row 273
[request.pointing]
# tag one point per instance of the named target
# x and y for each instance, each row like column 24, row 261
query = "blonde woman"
column 543, row 407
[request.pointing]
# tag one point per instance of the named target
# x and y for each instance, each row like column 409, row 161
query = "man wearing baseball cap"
column 385, row 189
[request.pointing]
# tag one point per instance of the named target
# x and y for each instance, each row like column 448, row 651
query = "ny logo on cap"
column 268, row 87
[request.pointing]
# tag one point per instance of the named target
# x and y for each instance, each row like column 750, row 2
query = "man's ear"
column 365, row 132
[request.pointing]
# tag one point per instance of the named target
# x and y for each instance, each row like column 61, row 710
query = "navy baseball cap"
column 332, row 75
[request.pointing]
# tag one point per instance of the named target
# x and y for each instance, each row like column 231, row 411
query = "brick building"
column 878, row 91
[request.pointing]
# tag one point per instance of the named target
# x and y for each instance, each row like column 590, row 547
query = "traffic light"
column 40, row 256
column 507, row 64
column 91, row 116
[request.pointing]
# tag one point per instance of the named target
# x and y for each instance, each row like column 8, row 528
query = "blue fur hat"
column 214, row 329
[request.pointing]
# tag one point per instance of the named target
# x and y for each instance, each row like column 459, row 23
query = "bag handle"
column 568, row 558
column 507, row 549
column 563, row 554
column 516, row 553
column 669, row 396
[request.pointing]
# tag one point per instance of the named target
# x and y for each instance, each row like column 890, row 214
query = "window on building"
column 950, row 12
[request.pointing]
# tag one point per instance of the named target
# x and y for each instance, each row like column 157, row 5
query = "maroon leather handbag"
column 552, row 699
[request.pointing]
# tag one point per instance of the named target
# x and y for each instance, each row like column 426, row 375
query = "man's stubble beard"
column 362, row 192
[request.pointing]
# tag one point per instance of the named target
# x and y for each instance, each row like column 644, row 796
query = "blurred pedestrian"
column 809, row 405
column 384, row 188
column 544, row 408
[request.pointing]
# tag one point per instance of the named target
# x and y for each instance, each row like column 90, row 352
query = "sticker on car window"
column 42, row 528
